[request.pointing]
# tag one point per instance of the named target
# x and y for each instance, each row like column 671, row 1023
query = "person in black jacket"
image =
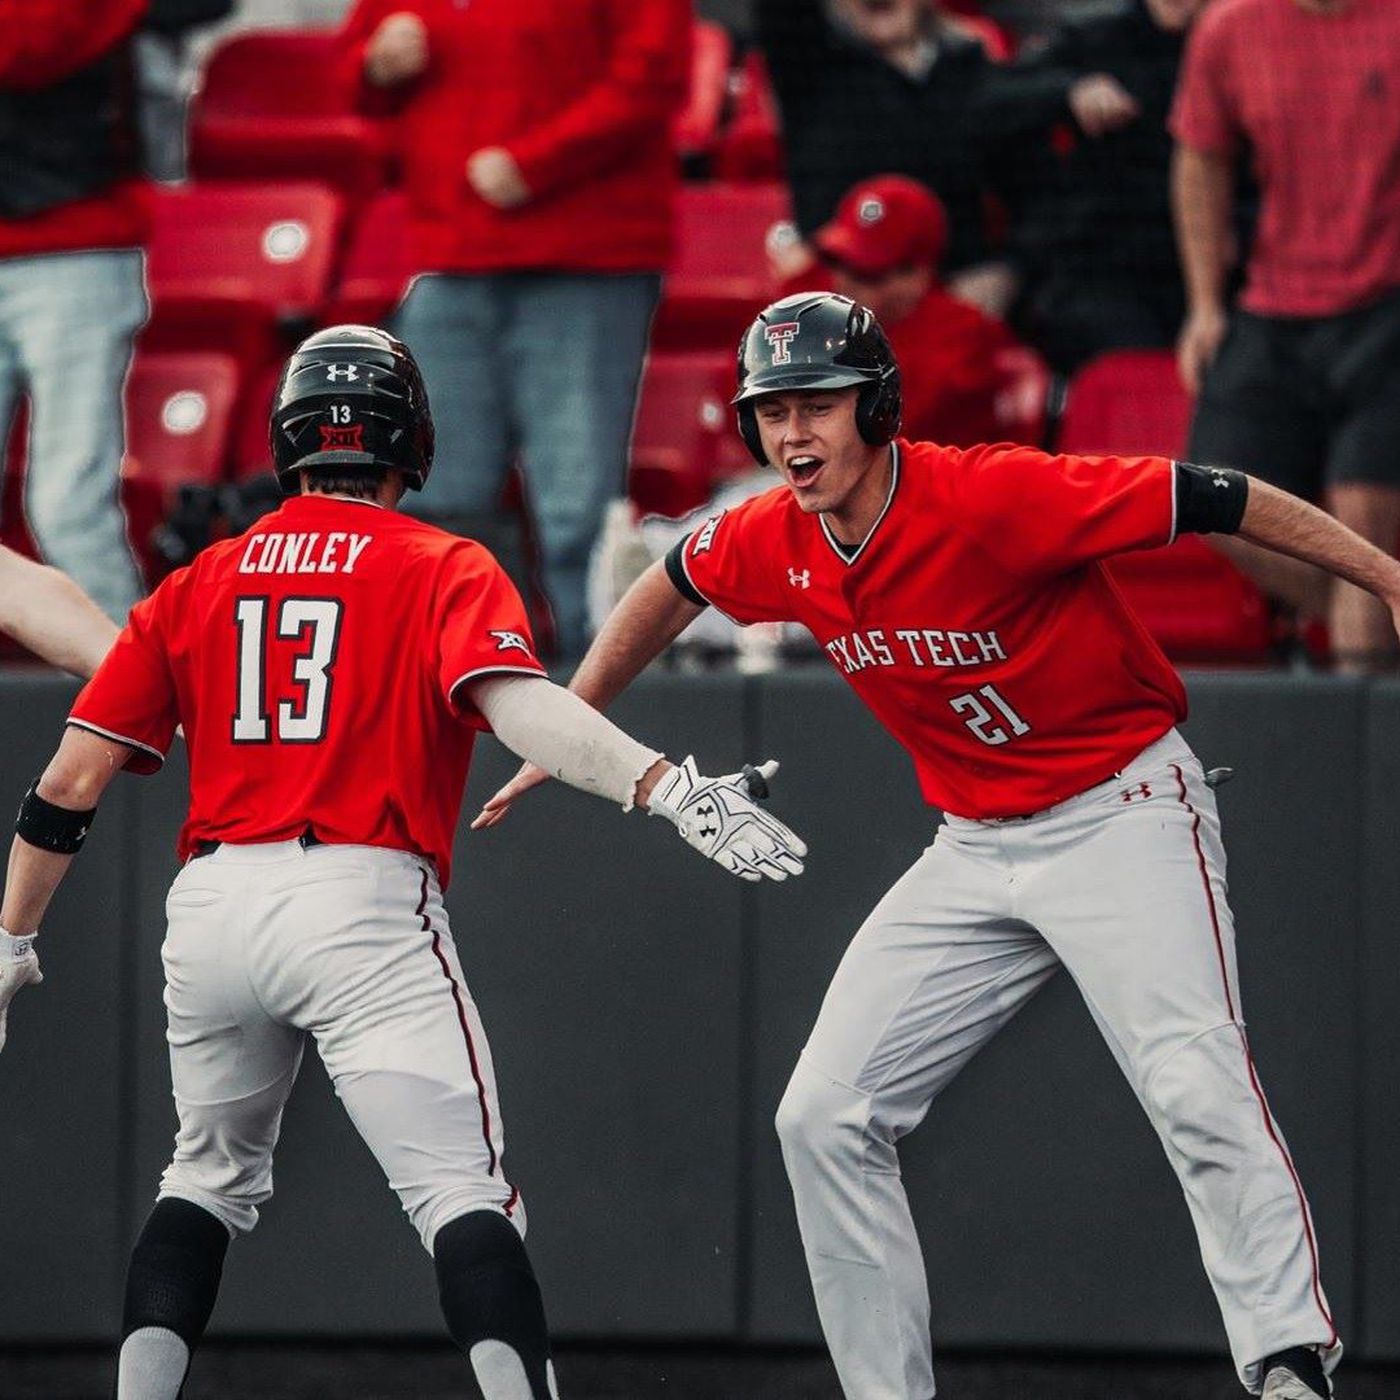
column 1094, row 238
column 870, row 87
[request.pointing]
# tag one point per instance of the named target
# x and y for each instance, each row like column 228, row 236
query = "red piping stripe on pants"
column 1249, row 1058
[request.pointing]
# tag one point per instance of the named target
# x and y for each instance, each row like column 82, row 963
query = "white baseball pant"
column 1124, row 885
column 270, row 943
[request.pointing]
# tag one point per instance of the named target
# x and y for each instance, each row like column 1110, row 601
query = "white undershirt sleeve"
column 551, row 727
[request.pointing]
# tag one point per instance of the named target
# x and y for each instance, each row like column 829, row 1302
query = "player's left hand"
column 721, row 818
column 494, row 175
column 19, row 965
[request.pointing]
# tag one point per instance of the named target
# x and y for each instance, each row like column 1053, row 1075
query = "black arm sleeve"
column 675, row 571
column 1209, row 500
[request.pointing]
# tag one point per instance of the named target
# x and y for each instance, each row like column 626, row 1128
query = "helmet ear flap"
column 748, row 430
column 879, row 409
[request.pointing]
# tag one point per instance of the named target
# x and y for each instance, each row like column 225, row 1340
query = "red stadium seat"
column 280, row 105
column 231, row 267
column 1128, row 402
column 250, row 451
column 751, row 147
column 697, row 124
column 685, row 439
column 1193, row 600
column 377, row 265
column 1198, row 606
column 719, row 274
column 179, row 412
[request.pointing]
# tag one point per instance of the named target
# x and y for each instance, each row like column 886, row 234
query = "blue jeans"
column 546, row 365
column 66, row 326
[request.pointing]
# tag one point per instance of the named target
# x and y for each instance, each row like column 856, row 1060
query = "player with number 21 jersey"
column 963, row 624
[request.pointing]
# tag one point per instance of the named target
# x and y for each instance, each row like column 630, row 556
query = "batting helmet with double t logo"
column 818, row 340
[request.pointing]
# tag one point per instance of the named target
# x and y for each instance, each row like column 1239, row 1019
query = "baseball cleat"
column 1295, row 1374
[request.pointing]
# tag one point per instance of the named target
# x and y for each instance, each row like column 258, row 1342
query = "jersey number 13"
column 315, row 622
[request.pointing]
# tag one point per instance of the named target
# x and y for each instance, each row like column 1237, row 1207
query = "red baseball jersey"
column 975, row 620
column 317, row 663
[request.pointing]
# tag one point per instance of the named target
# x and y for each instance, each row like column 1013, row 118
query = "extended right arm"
column 651, row 615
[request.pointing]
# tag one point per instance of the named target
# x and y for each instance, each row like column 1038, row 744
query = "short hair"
column 343, row 481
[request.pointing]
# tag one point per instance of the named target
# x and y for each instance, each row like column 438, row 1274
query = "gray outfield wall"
column 644, row 1010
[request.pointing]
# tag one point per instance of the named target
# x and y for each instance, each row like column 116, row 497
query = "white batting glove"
column 19, row 965
column 721, row 819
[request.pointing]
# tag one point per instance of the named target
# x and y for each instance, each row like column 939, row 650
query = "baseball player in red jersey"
column 331, row 668
column 961, row 595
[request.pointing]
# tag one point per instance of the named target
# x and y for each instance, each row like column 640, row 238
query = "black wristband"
column 51, row 828
column 1209, row 500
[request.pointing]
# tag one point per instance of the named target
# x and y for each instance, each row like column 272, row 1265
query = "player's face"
column 810, row 436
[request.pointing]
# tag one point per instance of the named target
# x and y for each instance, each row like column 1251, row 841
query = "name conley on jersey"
column 309, row 553
column 919, row 646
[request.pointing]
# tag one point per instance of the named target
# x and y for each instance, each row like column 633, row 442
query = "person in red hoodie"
column 73, row 220
column 537, row 161
column 882, row 248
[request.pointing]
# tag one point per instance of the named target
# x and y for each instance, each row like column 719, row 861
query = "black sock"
column 489, row 1293
column 173, row 1278
column 1305, row 1363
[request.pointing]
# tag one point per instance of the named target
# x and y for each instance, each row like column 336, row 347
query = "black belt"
column 307, row 840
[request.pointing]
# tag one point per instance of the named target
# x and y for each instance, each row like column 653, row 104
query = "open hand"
column 495, row 807
column 721, row 818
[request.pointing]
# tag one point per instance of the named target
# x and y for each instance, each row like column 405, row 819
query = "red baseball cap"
column 883, row 223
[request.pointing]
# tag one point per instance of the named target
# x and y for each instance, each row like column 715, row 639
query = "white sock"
column 152, row 1365
column 501, row 1374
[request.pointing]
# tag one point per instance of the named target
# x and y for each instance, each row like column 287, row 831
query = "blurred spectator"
column 539, row 174
column 1300, row 383
column 883, row 249
column 1094, row 237
column 871, row 85
column 166, row 77
column 73, row 219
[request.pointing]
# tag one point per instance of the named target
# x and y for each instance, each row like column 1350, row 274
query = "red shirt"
column 316, row 663
column 1316, row 99
column 42, row 42
column 581, row 92
column 975, row 621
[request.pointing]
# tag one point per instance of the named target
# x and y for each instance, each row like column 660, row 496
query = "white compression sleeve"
column 551, row 727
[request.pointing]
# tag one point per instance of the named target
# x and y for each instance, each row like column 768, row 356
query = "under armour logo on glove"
column 721, row 819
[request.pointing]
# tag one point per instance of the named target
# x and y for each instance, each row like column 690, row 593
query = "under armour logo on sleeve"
column 507, row 641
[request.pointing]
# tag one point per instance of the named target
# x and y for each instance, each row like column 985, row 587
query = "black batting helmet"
column 818, row 340
column 351, row 396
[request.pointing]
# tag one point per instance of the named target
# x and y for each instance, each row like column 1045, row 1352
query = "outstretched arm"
column 45, row 611
column 1287, row 525
column 567, row 738
column 651, row 615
